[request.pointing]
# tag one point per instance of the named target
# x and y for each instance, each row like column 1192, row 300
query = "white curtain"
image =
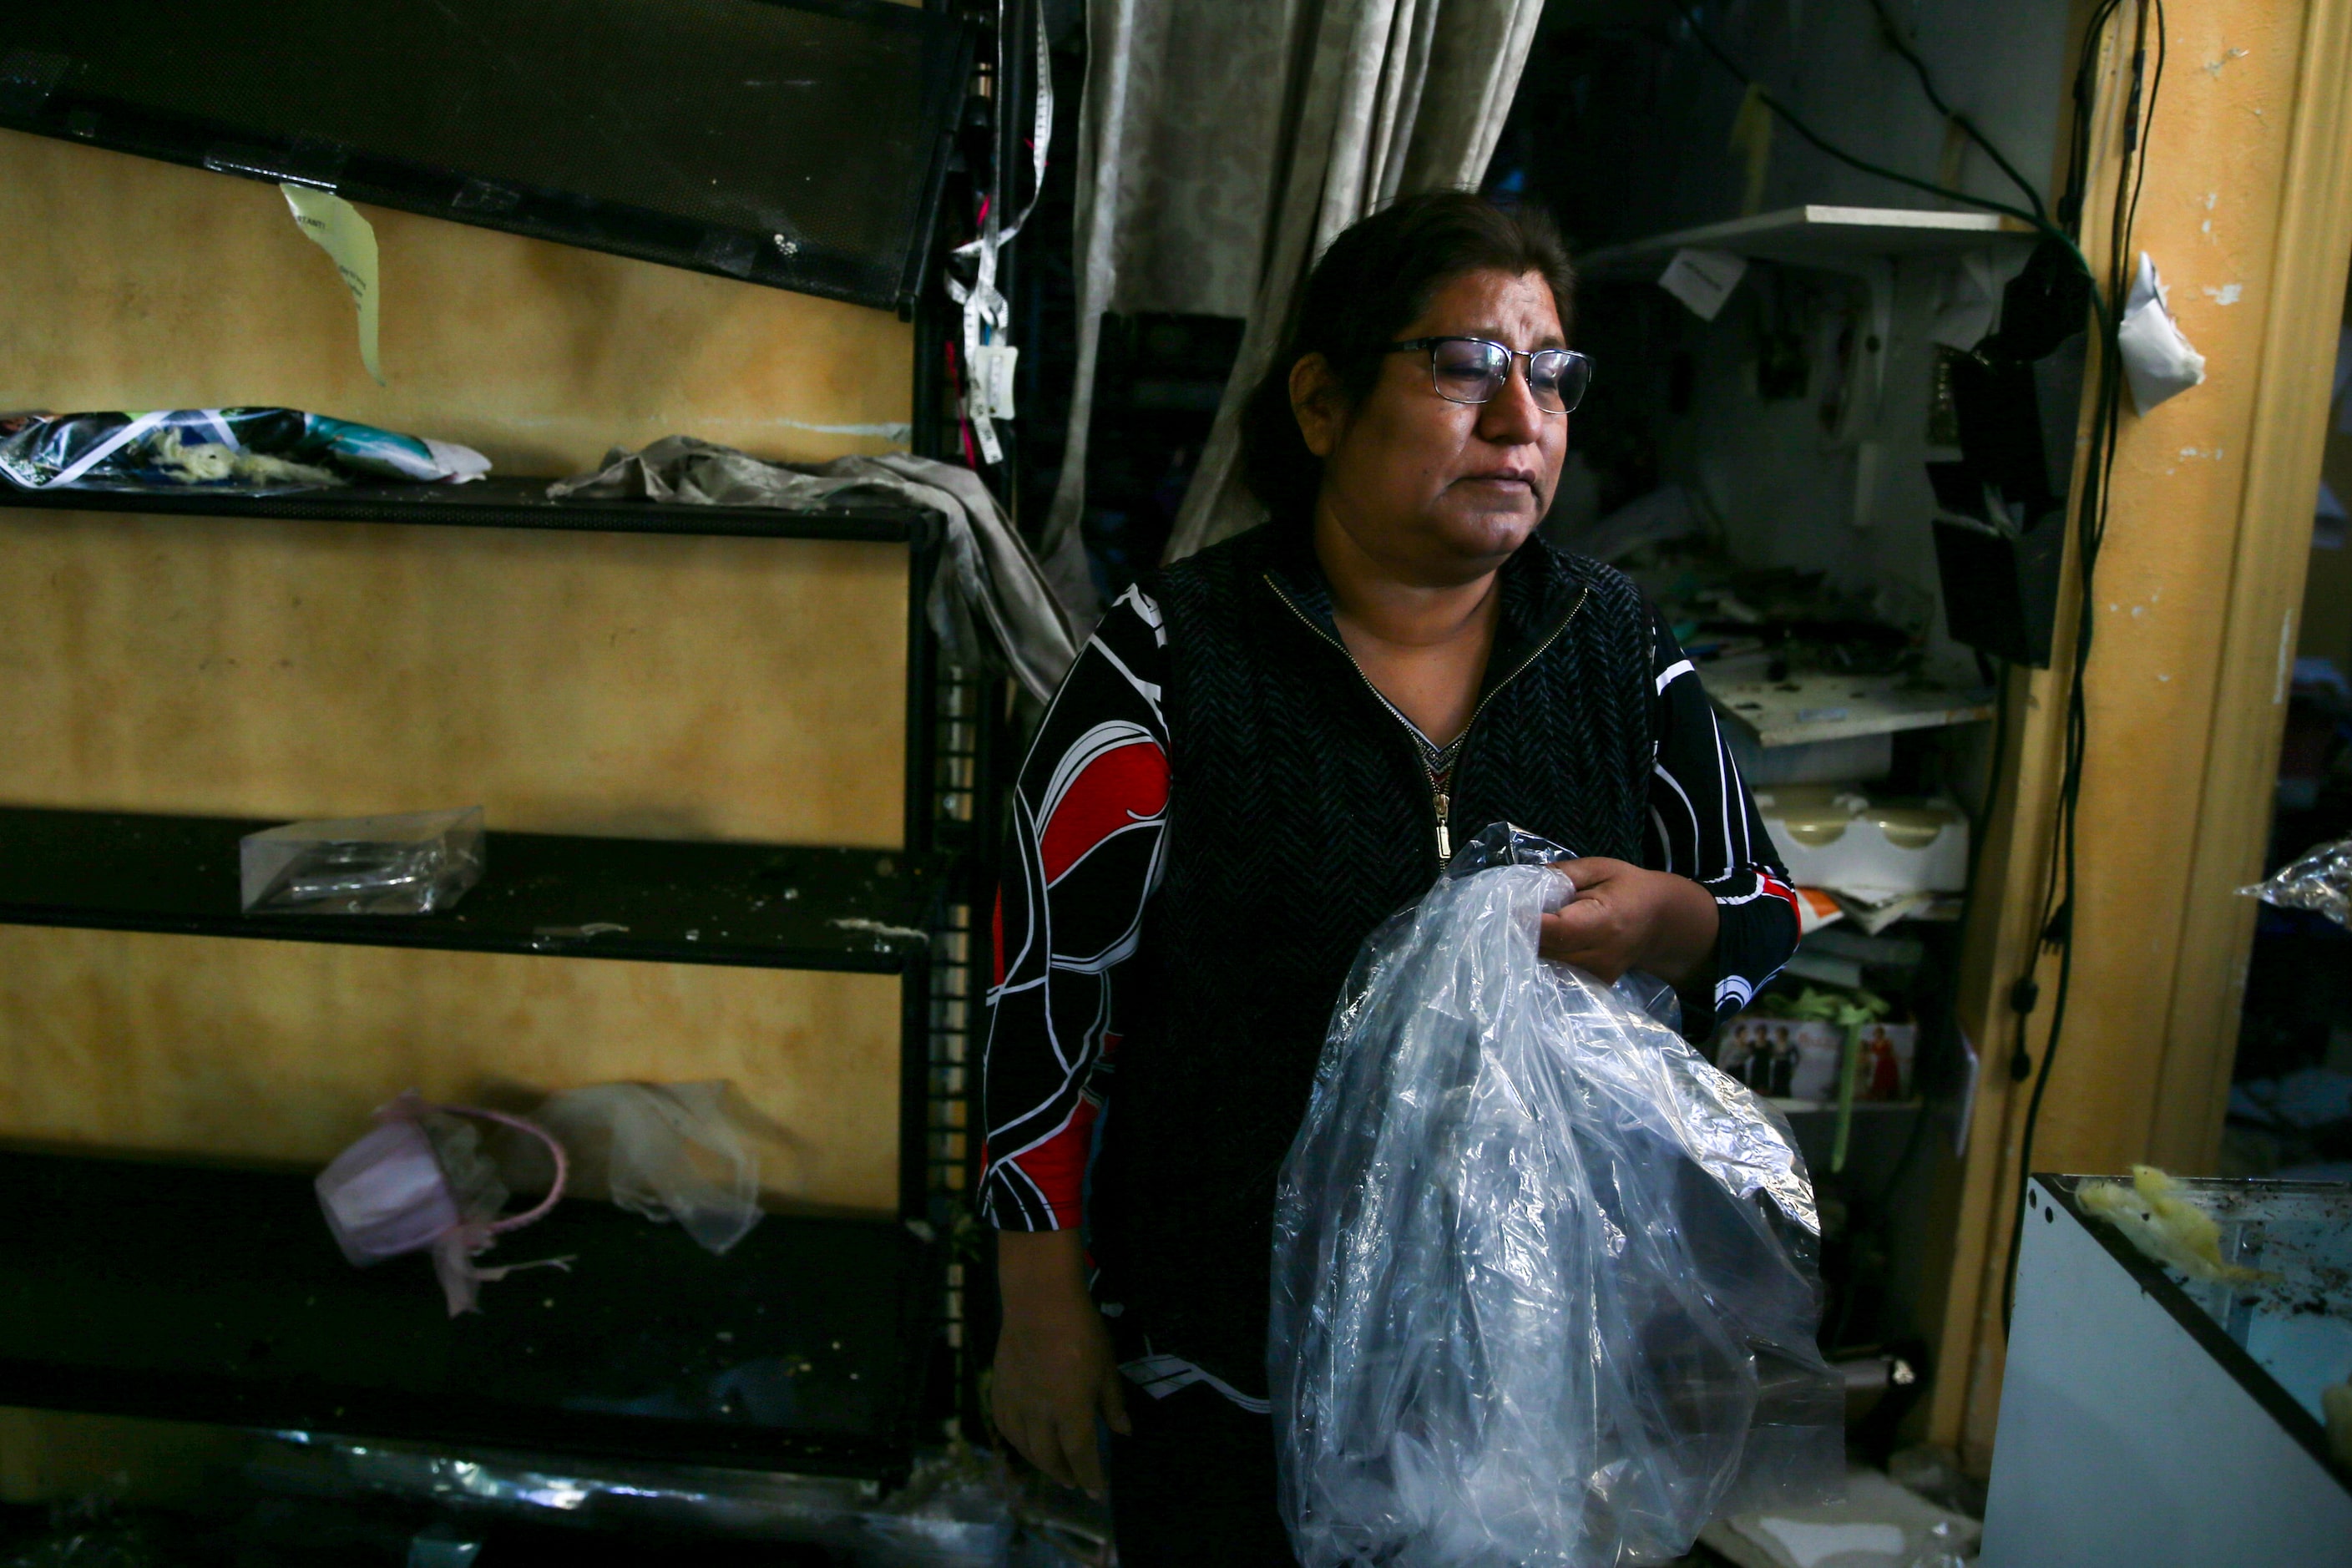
column 1225, row 142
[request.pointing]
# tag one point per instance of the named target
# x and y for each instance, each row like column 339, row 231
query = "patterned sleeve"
column 1086, row 856
column 1704, row 826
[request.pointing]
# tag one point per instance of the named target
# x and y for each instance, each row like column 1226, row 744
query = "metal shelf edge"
column 516, row 502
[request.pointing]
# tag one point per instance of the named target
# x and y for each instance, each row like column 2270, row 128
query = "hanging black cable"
column 2037, row 220
column 2059, row 926
column 1902, row 45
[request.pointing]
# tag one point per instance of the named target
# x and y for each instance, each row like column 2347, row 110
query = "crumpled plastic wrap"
column 679, row 1152
column 221, row 451
column 1545, row 1286
column 2320, row 881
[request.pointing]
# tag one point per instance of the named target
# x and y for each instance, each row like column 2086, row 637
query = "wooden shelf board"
column 1813, row 235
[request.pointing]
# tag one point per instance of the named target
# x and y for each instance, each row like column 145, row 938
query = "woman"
column 1256, row 760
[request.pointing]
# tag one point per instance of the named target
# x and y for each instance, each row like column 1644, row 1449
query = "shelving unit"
column 819, row 163
column 798, row 906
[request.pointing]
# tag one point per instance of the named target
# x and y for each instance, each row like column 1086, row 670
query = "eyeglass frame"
column 1511, row 356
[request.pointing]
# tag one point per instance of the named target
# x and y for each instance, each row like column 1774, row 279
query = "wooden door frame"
column 2162, row 1099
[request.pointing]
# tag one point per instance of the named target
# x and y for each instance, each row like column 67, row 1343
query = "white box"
column 1837, row 837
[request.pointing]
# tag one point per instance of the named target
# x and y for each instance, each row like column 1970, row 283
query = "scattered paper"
column 1876, row 909
column 1815, row 908
column 1879, row 1524
column 349, row 239
column 1966, row 304
column 2157, row 361
column 1703, row 280
column 1811, row 1545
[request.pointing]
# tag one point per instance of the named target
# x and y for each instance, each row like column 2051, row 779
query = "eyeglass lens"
column 1469, row 370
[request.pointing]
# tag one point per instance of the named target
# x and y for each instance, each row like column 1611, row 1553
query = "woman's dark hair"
column 1376, row 278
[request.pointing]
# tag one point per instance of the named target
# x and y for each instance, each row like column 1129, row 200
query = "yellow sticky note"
column 336, row 228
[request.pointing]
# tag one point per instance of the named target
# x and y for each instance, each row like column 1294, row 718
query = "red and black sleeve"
column 1705, row 826
column 1088, row 816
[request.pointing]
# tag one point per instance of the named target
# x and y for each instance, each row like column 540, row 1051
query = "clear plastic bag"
column 1544, row 1280
column 2320, row 881
column 683, row 1151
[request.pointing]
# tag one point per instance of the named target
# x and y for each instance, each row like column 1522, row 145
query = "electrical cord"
column 1901, row 46
column 2092, row 525
column 2032, row 218
column 2055, row 925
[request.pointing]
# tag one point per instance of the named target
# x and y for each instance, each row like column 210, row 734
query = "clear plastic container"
column 414, row 863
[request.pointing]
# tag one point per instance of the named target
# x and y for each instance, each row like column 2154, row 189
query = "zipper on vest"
column 1441, row 798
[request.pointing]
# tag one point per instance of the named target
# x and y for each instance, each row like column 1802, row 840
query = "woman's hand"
column 1055, row 1371
column 1626, row 918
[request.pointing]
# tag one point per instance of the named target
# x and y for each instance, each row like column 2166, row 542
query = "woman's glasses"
column 1471, row 370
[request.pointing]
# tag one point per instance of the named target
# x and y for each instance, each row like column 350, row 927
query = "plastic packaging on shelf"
column 1545, row 1285
column 668, row 1151
column 420, row 1181
column 408, row 865
column 223, row 451
column 2320, row 881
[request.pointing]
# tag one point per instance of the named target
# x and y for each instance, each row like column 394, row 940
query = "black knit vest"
column 1300, row 816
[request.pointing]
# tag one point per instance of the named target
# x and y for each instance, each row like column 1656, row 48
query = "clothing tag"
column 991, row 451
column 1703, row 280
column 349, row 239
column 992, row 380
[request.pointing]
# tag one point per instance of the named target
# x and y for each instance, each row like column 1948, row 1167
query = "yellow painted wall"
column 622, row 684
column 134, row 284
column 651, row 686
